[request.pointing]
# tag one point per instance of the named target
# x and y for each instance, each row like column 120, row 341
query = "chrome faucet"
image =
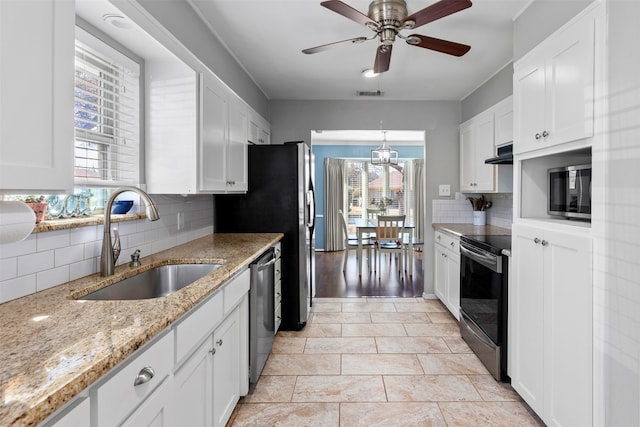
column 110, row 252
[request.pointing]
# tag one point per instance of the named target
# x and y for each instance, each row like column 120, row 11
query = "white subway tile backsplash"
column 52, row 240
column 85, row 234
column 69, row 255
column 35, row 262
column 460, row 212
column 16, row 288
column 50, row 278
column 24, row 247
column 48, row 259
column 82, row 268
column 8, row 268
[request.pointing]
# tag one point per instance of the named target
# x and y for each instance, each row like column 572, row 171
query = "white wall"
column 294, row 120
column 617, row 237
column 51, row 258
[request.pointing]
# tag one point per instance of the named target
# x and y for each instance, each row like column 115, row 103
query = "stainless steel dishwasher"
column 261, row 319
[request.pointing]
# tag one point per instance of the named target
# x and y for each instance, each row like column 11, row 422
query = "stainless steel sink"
column 157, row 282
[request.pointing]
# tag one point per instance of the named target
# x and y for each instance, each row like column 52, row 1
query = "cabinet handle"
column 144, row 376
column 544, row 243
column 212, row 351
column 538, row 136
column 536, row 240
column 545, row 134
column 219, row 342
column 452, row 244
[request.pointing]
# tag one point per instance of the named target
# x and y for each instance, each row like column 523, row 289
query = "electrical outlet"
column 180, row 220
column 444, row 190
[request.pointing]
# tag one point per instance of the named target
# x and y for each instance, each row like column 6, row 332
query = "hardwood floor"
column 332, row 282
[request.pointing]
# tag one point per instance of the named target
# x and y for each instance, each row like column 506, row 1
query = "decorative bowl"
column 121, row 206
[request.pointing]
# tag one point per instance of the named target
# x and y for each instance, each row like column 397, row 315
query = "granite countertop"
column 54, row 346
column 472, row 230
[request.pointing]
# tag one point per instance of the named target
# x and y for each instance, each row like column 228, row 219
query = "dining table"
column 364, row 227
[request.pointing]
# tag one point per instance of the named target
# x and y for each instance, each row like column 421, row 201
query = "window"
column 368, row 184
column 107, row 118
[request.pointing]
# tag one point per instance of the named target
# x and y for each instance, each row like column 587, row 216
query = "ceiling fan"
column 387, row 18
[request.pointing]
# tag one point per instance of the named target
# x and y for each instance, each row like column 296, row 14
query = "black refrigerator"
column 280, row 198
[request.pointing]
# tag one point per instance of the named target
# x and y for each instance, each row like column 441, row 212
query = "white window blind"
column 107, row 117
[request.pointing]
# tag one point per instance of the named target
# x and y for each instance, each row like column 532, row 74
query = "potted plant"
column 38, row 204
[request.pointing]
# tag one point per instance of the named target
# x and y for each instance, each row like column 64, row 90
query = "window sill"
column 65, row 224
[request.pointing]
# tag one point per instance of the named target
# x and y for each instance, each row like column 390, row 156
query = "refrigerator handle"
column 311, row 203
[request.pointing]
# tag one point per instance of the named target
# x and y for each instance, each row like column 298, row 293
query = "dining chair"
column 351, row 242
column 389, row 239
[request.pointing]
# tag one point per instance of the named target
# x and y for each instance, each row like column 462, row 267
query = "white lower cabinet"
column 447, row 271
column 192, row 375
column 208, row 383
column 551, row 314
column 153, row 411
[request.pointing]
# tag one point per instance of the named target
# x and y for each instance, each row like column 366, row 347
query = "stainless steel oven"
column 483, row 299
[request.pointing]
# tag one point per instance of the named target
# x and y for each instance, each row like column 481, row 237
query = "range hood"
column 504, row 157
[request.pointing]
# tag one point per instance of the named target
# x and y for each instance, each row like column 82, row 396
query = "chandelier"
column 384, row 155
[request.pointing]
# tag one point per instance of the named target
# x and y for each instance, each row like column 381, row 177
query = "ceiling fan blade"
column 383, row 59
column 348, row 12
column 444, row 46
column 331, row 45
column 436, row 11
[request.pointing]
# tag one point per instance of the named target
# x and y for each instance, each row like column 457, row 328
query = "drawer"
column 236, row 289
column 448, row 241
column 118, row 396
column 199, row 324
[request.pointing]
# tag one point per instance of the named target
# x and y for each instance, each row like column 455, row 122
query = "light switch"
column 444, row 190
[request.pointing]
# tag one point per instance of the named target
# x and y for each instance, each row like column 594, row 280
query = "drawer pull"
column 219, row 342
column 144, row 376
column 212, row 351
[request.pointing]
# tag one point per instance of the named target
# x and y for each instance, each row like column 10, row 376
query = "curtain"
column 333, row 201
column 418, row 185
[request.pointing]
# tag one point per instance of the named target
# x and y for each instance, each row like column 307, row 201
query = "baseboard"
column 429, row 296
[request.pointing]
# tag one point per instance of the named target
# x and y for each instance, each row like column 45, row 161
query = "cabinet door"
column 226, row 370
column 192, row 392
column 153, row 411
column 503, row 117
column 237, row 164
column 214, row 134
column 483, row 148
column 79, row 415
column 36, row 95
column 529, row 104
column 466, row 158
column 440, row 272
column 568, row 329
column 570, row 85
column 526, row 307
column 453, row 285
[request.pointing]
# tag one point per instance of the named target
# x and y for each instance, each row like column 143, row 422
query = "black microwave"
column 570, row 192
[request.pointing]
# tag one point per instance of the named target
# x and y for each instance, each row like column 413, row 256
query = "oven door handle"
column 488, row 260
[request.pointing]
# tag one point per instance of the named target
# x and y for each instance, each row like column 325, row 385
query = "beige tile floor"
column 378, row 362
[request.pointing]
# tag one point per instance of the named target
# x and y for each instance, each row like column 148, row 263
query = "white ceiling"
column 267, row 36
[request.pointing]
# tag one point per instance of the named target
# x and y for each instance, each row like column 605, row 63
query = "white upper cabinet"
column 196, row 133
column 214, row 134
column 36, row 95
column 259, row 129
column 503, row 122
column 478, row 143
column 554, row 89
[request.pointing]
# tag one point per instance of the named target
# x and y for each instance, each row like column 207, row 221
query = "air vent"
column 369, row 93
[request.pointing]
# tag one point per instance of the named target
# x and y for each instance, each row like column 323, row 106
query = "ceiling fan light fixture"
column 369, row 73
